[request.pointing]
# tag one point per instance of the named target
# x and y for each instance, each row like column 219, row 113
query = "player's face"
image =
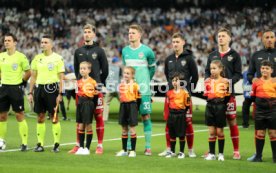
column 46, row 44
column 178, row 44
column 134, row 35
column 88, row 35
column 84, row 70
column 269, row 40
column 215, row 70
column 266, row 71
column 128, row 75
column 9, row 43
column 223, row 39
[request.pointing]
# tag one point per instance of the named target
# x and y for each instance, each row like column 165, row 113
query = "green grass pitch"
column 31, row 162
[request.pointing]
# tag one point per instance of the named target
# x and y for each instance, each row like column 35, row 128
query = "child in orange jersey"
column 264, row 94
column 85, row 107
column 217, row 93
column 178, row 101
column 128, row 116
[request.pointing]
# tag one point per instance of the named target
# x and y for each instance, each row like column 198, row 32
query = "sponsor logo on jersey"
column 183, row 63
column 80, row 54
column 274, row 59
column 260, row 58
column 170, row 61
column 230, row 58
column 50, row 66
column 94, row 55
column 14, row 66
column 215, row 57
column 141, row 55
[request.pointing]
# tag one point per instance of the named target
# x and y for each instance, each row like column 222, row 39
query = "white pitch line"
column 106, row 140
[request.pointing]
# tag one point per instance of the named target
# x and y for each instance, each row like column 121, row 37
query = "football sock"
column 221, row 141
column 23, row 131
column 89, row 136
column 133, row 141
column 100, row 128
column 3, row 129
column 273, row 147
column 234, row 132
column 128, row 141
column 124, row 142
column 56, row 129
column 182, row 144
column 190, row 135
column 260, row 140
column 173, row 142
column 81, row 137
column 212, row 144
column 147, row 132
column 40, row 129
column 167, row 136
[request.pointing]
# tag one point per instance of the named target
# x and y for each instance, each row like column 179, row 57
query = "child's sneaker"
column 99, row 150
column 236, row 155
column 210, row 157
column 191, row 153
column 74, row 150
column 86, row 151
column 164, row 153
column 132, row 154
column 148, row 152
column 181, row 155
column 220, row 157
column 80, row 151
column 170, row 155
column 122, row 153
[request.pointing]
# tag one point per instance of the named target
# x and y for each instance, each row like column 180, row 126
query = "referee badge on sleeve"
column 14, row 66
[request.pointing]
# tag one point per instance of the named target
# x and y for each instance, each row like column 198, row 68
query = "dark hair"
column 178, row 75
column 220, row 65
column 47, row 36
column 11, row 35
column 266, row 63
column 268, row 30
column 225, row 30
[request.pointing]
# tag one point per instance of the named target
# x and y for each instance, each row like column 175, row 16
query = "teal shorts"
column 145, row 106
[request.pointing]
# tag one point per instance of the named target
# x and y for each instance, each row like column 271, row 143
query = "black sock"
column 173, row 142
column 182, row 144
column 124, row 142
column 259, row 146
column 89, row 136
column 133, row 141
column 212, row 145
column 273, row 147
column 221, row 141
column 81, row 137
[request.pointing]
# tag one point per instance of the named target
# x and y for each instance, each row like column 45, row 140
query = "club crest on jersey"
column 230, row 58
column 141, row 55
column 50, row 66
column 183, row 63
column 14, row 66
column 94, row 55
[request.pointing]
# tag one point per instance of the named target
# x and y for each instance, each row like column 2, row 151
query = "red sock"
column 234, row 132
column 167, row 136
column 100, row 128
column 190, row 135
column 77, row 132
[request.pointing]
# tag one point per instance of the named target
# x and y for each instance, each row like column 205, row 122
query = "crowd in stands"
column 196, row 24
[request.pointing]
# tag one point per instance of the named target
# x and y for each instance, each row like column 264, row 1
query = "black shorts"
column 45, row 98
column 85, row 110
column 70, row 93
column 215, row 114
column 128, row 114
column 177, row 123
column 265, row 116
column 11, row 95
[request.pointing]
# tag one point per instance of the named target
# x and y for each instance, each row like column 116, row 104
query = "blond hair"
column 89, row 65
column 136, row 27
column 89, row 26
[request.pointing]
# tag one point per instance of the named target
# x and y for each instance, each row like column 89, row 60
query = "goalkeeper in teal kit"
column 142, row 58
